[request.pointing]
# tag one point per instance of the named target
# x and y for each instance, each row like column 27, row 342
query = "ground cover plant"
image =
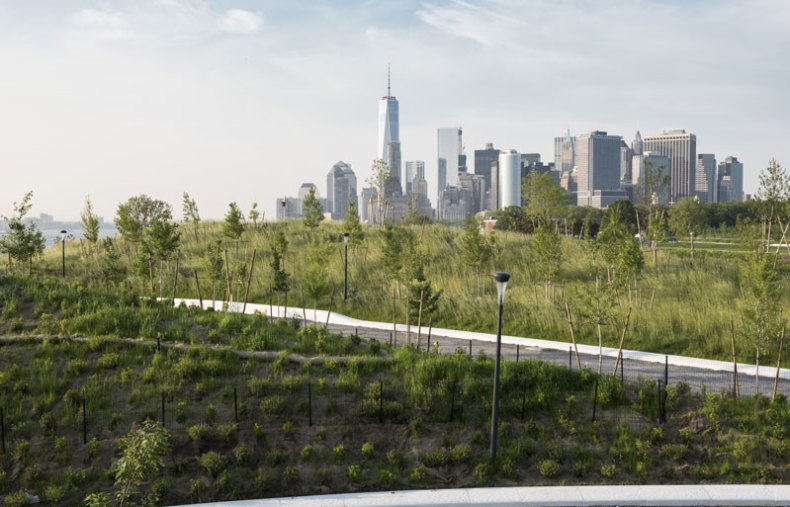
column 313, row 412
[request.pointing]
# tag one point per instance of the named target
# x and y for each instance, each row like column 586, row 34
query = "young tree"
column 254, row 215
column 421, row 291
column 136, row 215
column 392, row 251
column 90, row 223
column 380, row 176
column 475, row 250
column 112, row 269
column 233, row 227
column 214, row 265
column 761, row 305
column 315, row 278
column 313, row 211
column 191, row 215
column 546, row 253
column 22, row 241
column 686, row 216
column 144, row 449
column 160, row 242
column 352, row 226
column 279, row 245
column 543, row 197
column 772, row 196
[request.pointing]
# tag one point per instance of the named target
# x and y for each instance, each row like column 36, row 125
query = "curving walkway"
column 656, row 496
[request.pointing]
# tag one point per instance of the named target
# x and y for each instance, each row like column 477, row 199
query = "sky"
column 242, row 100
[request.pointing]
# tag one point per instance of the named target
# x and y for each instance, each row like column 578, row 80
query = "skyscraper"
column 598, row 161
column 389, row 131
column 483, row 161
column 413, row 169
column 510, row 178
column 706, row 184
column 564, row 153
column 730, row 180
column 449, row 151
column 681, row 148
column 341, row 185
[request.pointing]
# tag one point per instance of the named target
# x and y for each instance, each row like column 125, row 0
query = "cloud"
column 239, row 21
column 103, row 24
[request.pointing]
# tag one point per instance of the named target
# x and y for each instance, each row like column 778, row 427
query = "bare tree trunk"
column 778, row 364
column 573, row 334
column 736, row 381
column 622, row 340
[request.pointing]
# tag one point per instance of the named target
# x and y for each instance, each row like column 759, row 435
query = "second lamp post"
column 501, row 279
column 345, row 268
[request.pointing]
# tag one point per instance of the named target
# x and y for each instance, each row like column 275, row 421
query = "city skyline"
column 224, row 99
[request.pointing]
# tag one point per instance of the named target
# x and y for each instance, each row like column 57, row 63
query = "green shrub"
column 200, row 433
column 418, row 474
column 353, row 473
column 608, row 470
column 367, row 450
column 16, row 499
column 548, row 468
column 212, row 462
column 243, row 454
column 291, row 475
column 273, row 405
column 339, row 452
column 307, row 453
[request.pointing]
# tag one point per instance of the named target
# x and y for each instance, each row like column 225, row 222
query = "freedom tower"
column 389, row 136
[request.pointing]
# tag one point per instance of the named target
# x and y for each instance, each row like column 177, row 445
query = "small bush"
column 353, row 473
column 212, row 462
column 307, row 453
column 200, row 433
column 339, row 452
column 17, row 499
column 608, row 470
column 243, row 454
column 548, row 468
column 291, row 475
column 367, row 450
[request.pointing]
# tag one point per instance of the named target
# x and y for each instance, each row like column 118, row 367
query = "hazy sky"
column 242, row 100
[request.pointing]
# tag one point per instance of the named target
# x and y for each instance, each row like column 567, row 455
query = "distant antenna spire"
column 388, row 81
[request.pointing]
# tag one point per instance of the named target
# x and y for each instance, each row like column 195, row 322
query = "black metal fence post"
column 518, row 347
column 595, row 399
column 452, row 400
column 470, row 348
column 84, row 423
column 381, row 401
column 622, row 370
column 309, row 404
column 659, row 400
column 164, row 425
column 235, row 406
column 524, row 398
column 570, row 358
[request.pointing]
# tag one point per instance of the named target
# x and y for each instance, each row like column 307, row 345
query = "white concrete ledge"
column 648, row 357
column 559, row 496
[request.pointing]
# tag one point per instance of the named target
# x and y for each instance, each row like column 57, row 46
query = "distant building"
column 681, row 148
column 414, row 169
column 660, row 167
column 484, row 159
column 394, row 186
column 389, row 123
column 730, row 180
column 706, row 182
column 341, row 185
column 366, row 198
column 449, row 149
column 637, row 145
column 598, row 160
column 510, row 178
column 565, row 153
column 293, row 207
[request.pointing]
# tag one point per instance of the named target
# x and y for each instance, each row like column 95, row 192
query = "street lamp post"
column 692, row 245
column 501, row 279
column 63, row 253
column 345, row 268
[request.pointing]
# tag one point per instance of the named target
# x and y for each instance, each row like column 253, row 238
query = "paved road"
column 701, row 375
column 699, row 379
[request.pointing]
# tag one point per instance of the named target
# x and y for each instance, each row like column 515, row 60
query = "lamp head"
column 501, row 279
column 345, row 237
